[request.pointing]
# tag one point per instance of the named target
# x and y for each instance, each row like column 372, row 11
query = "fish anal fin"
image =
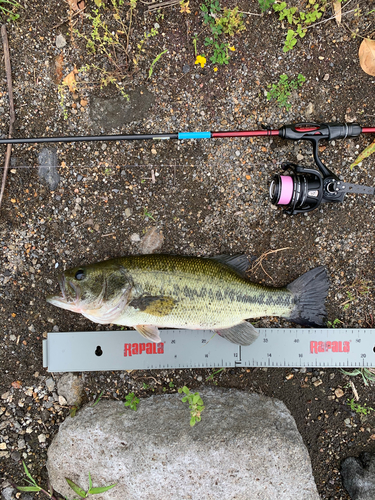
column 155, row 305
column 242, row 334
column 150, row 332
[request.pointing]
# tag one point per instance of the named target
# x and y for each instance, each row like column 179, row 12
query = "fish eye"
column 80, row 274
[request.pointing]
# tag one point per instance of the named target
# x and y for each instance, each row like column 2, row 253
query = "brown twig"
column 260, row 259
column 161, row 5
column 12, row 116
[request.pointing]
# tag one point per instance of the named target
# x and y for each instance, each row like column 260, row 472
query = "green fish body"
column 148, row 292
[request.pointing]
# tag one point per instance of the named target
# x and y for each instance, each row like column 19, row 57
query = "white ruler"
column 275, row 347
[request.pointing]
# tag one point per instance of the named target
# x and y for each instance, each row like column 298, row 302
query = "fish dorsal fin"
column 242, row 334
column 150, row 332
column 239, row 262
column 158, row 305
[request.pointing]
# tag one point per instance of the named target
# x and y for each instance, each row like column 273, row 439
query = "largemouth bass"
column 148, row 292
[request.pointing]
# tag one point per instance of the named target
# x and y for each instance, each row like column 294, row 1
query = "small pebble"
column 339, row 393
column 60, row 41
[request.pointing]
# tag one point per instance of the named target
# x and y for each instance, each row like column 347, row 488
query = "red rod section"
column 368, row 130
column 245, row 133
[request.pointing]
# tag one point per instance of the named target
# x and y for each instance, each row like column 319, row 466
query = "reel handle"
column 315, row 132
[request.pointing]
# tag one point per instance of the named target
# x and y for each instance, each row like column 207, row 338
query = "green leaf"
column 98, row 399
column 27, row 472
column 192, row 421
column 196, row 398
column 82, row 493
column 90, row 482
column 28, row 488
column 365, row 154
column 94, row 491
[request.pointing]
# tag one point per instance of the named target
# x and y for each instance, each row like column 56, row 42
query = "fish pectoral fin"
column 242, row 334
column 150, row 332
column 158, row 305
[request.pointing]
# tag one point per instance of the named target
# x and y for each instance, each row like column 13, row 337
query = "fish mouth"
column 62, row 300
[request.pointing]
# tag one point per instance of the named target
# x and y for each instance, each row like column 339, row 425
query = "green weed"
column 131, row 401
column 357, row 290
column 91, row 491
column 62, row 87
column 282, row 90
column 211, row 377
column 9, row 12
column 298, row 19
column 334, row 324
column 98, row 398
column 148, row 214
column 34, row 487
column 150, row 71
column 195, row 404
column 230, row 22
column 361, row 410
column 141, row 43
column 367, row 374
column 265, row 4
column 109, row 37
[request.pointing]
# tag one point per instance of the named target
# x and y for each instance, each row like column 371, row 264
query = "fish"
column 148, row 292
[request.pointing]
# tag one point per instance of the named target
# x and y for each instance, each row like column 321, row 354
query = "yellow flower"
column 201, row 60
column 232, row 49
column 215, row 69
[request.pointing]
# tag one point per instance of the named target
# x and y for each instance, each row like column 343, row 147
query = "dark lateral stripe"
column 228, row 294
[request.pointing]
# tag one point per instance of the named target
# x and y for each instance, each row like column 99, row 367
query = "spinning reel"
column 301, row 190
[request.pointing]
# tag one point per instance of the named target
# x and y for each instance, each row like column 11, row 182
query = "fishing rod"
column 297, row 189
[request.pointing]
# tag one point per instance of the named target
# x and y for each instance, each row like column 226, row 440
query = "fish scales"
column 207, row 293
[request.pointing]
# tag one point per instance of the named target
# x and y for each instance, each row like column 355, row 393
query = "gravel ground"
column 206, row 197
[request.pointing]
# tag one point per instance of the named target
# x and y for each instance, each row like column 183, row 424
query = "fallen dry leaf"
column 365, row 154
column 367, row 56
column 70, row 80
column 17, row 384
column 76, row 5
column 337, row 10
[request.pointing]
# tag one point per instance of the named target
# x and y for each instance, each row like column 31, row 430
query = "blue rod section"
column 194, row 135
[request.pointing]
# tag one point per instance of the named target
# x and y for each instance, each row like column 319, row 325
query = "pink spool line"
column 286, row 189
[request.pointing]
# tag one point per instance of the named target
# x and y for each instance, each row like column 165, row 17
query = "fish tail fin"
column 310, row 291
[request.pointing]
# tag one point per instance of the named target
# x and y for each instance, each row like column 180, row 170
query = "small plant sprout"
column 195, row 404
column 367, row 374
column 265, row 4
column 148, row 214
column 361, row 410
column 150, row 71
column 334, row 324
column 282, row 90
column 132, row 401
column 211, row 377
column 33, row 484
column 34, row 487
column 7, row 8
column 98, row 398
column 91, row 491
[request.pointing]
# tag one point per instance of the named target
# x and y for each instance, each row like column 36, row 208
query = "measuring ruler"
column 275, row 347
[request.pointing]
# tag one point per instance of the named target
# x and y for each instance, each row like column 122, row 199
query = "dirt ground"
column 207, row 197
